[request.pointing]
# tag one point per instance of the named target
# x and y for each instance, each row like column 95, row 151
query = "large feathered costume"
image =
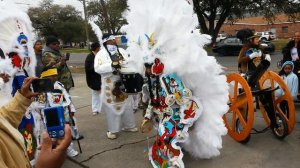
column 16, row 41
column 162, row 30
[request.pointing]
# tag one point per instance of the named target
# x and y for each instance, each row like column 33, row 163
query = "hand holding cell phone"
column 42, row 85
column 54, row 120
column 25, row 90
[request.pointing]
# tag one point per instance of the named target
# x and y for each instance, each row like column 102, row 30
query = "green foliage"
column 64, row 22
column 213, row 13
column 108, row 14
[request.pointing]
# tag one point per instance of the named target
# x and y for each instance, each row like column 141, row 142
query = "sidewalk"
column 127, row 151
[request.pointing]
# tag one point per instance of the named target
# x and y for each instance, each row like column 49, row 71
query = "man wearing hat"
column 250, row 55
column 53, row 58
column 250, row 58
column 116, row 104
column 93, row 79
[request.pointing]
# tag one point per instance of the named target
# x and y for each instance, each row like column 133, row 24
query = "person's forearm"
column 15, row 109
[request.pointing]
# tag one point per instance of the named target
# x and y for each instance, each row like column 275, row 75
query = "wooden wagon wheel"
column 240, row 116
column 271, row 79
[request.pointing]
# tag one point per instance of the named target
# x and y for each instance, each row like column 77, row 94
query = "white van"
column 266, row 36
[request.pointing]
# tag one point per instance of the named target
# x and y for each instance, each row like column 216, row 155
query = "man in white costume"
column 116, row 104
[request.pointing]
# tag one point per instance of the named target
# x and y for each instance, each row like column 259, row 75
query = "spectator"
column 38, row 48
column 93, row 79
column 291, row 81
column 60, row 97
column 53, row 58
column 289, row 78
column 291, row 53
column 13, row 153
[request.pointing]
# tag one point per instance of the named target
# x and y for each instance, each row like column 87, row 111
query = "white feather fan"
column 167, row 25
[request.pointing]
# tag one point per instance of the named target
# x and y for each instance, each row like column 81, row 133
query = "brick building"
column 282, row 27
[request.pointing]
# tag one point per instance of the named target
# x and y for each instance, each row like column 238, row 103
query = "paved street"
column 263, row 150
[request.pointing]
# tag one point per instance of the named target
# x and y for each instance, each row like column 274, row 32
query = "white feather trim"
column 13, row 21
column 97, row 31
column 171, row 22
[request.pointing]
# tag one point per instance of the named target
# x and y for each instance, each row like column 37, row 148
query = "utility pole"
column 86, row 24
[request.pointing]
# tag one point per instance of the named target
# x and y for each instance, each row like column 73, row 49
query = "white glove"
column 255, row 54
column 268, row 57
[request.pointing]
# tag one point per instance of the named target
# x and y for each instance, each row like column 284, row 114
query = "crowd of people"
column 173, row 106
column 101, row 68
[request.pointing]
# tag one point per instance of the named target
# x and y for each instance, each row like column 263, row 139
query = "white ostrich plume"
column 13, row 22
column 97, row 31
column 164, row 29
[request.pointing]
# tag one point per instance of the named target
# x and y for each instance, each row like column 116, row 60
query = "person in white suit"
column 116, row 104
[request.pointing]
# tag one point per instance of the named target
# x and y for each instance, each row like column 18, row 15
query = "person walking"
column 93, row 79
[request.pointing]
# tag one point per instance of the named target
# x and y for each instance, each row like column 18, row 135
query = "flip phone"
column 54, row 120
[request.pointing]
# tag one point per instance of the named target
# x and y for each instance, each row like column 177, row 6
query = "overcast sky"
column 25, row 4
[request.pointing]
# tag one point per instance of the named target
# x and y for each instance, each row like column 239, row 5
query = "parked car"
column 266, row 36
column 221, row 37
column 233, row 45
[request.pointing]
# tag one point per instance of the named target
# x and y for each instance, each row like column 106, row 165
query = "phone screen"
column 52, row 118
column 42, row 85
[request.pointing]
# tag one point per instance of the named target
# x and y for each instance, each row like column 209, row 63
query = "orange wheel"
column 271, row 79
column 240, row 116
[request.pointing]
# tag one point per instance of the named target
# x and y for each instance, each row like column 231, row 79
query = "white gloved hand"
column 268, row 57
column 255, row 54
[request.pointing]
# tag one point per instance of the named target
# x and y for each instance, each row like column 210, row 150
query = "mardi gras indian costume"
column 16, row 41
column 16, row 38
column 109, row 63
column 187, row 93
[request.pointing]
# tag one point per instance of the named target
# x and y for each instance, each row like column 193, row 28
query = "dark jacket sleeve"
column 89, row 63
column 286, row 51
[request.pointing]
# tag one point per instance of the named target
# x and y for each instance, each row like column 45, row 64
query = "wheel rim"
column 280, row 125
column 240, row 108
column 271, row 79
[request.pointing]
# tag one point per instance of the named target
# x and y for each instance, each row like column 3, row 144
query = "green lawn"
column 280, row 43
column 75, row 50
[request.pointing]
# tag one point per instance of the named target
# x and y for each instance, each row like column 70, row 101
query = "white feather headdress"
column 16, row 33
column 163, row 29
